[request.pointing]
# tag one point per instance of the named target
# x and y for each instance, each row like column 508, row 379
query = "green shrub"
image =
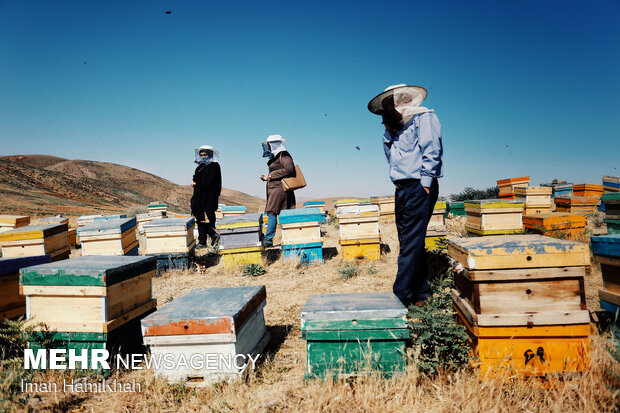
column 253, row 270
column 348, row 271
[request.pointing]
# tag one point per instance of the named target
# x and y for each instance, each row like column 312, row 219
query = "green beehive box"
column 456, row 209
column 613, row 226
column 354, row 334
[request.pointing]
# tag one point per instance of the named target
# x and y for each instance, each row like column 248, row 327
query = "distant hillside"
column 42, row 184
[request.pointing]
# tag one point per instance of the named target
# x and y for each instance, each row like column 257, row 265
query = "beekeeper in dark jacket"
column 207, row 183
column 280, row 165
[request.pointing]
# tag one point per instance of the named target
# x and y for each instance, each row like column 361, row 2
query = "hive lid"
column 494, row 203
column 106, row 217
column 157, row 205
column 33, row 232
column 361, row 210
column 206, row 311
column 314, row 203
column 52, row 220
column 233, row 208
column 558, row 186
column 532, row 190
column 517, row 251
column 107, row 226
column 96, row 270
column 354, row 306
column 168, row 224
column 611, row 196
column 606, row 245
column 440, row 205
column 240, row 221
column 591, row 187
column 152, row 214
column 290, row 216
column 456, row 205
column 513, row 180
column 10, row 266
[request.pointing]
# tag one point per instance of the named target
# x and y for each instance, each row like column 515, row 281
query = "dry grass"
column 278, row 385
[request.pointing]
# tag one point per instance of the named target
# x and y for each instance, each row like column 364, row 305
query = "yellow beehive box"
column 358, row 222
column 33, row 240
column 241, row 256
column 368, row 249
column 13, row 221
column 438, row 218
column 435, row 242
column 557, row 225
column 494, row 216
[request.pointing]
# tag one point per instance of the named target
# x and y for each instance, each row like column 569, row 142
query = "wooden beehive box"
column 33, row 240
column 235, row 257
column 353, row 334
column 386, row 203
column 358, row 222
column 229, row 210
column 12, row 303
column 301, row 226
column 606, row 251
column 91, row 302
column 315, row 204
column 560, row 189
column 109, row 237
column 8, row 222
column 612, row 205
column 588, row 190
column 223, row 322
column 576, row 204
column 507, row 186
column 556, row 224
column 456, row 209
column 157, row 206
column 537, row 199
column 366, row 249
column 87, row 219
column 494, row 216
column 308, row 253
column 611, row 183
column 58, row 219
column 168, row 235
column 142, row 219
column 438, row 218
column 240, row 231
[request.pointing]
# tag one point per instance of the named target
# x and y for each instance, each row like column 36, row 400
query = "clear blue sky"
column 521, row 88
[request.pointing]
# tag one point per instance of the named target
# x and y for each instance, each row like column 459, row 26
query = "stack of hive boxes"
column 141, row 219
column 345, row 203
column 611, row 184
column 494, row 216
column 315, row 204
column 8, row 222
column 157, row 207
column 33, row 240
column 606, row 251
column 576, row 204
column 507, row 186
column 537, row 199
column 386, row 205
column 522, row 300
column 231, row 210
column 301, row 234
column 436, row 230
column 12, row 303
column 222, row 322
column 612, row 212
column 557, row 189
column 71, row 232
column 91, row 302
column 352, row 334
column 109, row 237
column 360, row 237
column 588, row 190
column 456, row 209
column 171, row 241
column 241, row 239
column 557, row 225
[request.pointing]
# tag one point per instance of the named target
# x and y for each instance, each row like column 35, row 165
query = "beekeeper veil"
column 398, row 104
column 273, row 146
column 212, row 155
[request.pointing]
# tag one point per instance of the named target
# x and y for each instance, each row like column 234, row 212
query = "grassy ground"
column 278, row 385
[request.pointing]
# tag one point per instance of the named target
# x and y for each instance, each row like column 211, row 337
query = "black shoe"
column 200, row 246
column 268, row 244
column 215, row 239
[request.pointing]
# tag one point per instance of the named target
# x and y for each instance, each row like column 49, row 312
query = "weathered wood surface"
column 168, row 224
column 105, row 227
column 522, row 274
column 30, row 232
column 206, row 311
column 240, row 221
column 554, row 221
column 608, row 245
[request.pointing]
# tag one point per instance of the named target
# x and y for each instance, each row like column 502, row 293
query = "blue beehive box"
column 311, row 253
column 606, row 251
column 608, row 245
column 291, row 216
column 107, row 217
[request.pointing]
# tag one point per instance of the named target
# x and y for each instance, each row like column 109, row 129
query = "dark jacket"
column 281, row 166
column 208, row 179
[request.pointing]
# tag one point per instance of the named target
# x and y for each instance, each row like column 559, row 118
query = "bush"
column 253, row 270
column 348, row 271
column 470, row 194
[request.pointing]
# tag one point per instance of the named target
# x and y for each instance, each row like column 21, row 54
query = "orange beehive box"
column 588, row 190
column 507, row 186
column 556, row 224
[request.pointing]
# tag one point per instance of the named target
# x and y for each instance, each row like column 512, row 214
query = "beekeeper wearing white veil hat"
column 413, row 148
column 207, row 184
column 281, row 165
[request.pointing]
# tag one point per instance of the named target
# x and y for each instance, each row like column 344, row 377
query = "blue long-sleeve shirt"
column 416, row 151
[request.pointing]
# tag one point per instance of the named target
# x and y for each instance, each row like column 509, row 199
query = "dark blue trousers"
column 414, row 208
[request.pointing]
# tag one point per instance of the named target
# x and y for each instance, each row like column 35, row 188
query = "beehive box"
column 560, row 189
column 435, row 242
column 33, row 240
column 240, row 231
column 588, row 190
column 109, row 237
column 611, row 183
column 58, row 219
column 606, row 250
column 438, row 218
column 576, row 204
column 456, row 209
column 507, row 186
column 242, row 256
column 8, row 222
column 157, row 206
column 301, row 226
column 169, row 235
column 223, row 322
column 141, row 219
column 87, row 219
column 229, row 210
column 557, row 225
column 494, row 216
column 368, row 249
column 353, row 334
column 315, row 204
column 613, row 226
column 308, row 253
column 537, row 199
column 12, row 303
column 358, row 222
column 345, row 203
column 612, row 205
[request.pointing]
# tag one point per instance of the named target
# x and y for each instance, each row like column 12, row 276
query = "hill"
column 42, row 184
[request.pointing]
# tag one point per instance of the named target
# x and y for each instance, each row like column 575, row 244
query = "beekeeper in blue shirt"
column 412, row 145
